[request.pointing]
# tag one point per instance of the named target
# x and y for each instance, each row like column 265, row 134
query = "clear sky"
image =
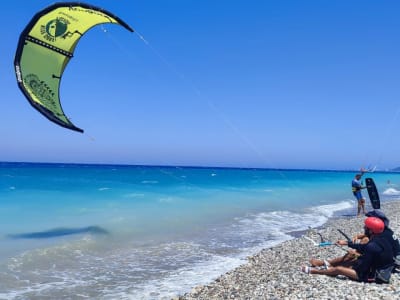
column 280, row 84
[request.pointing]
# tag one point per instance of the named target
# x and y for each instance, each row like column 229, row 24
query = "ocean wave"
column 104, row 189
column 182, row 280
column 152, row 272
column 287, row 221
column 391, row 192
column 134, row 195
column 330, row 209
column 247, row 236
column 159, row 270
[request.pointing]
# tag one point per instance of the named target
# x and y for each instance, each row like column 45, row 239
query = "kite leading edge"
column 44, row 49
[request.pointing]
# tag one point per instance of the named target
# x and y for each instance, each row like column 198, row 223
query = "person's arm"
column 359, row 247
column 341, row 243
column 358, row 237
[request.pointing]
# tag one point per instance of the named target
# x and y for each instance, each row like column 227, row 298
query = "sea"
column 77, row 231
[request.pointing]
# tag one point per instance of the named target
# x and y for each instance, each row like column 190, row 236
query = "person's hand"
column 341, row 243
column 353, row 253
column 358, row 237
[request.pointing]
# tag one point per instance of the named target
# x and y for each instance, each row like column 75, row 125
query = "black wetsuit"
column 376, row 254
column 390, row 236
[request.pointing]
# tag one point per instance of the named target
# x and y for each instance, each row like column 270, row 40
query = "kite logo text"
column 54, row 29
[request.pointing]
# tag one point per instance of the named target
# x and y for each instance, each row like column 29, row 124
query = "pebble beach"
column 274, row 273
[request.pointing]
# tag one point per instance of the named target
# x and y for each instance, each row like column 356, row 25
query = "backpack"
column 382, row 274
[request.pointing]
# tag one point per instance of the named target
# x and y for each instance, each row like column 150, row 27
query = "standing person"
column 356, row 188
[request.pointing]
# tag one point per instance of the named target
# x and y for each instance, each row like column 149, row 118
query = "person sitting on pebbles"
column 363, row 260
column 387, row 233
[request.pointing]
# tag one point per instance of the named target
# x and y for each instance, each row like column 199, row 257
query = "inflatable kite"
column 45, row 47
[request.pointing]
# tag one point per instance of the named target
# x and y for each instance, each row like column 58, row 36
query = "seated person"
column 387, row 233
column 359, row 265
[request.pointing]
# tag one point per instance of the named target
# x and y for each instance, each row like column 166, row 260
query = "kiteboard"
column 373, row 193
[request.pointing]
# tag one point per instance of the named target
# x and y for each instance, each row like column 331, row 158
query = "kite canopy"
column 45, row 47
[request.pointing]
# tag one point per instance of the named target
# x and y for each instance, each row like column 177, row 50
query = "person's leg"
column 334, row 271
column 359, row 207
column 346, row 260
column 363, row 205
column 317, row 262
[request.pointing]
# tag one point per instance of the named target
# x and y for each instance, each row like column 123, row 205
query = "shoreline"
column 274, row 273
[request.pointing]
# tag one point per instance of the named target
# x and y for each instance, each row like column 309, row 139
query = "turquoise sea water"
column 136, row 232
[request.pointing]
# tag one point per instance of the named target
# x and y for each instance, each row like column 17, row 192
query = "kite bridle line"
column 161, row 166
column 213, row 107
column 389, row 130
column 323, row 242
column 385, row 141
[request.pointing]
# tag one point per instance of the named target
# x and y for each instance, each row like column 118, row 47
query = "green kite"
column 45, row 47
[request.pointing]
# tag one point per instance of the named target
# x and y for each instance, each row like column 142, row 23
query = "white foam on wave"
column 119, row 274
column 184, row 279
column 163, row 270
column 391, row 192
column 224, row 251
column 134, row 195
column 251, row 234
column 104, row 188
column 329, row 210
column 166, row 200
column 36, row 273
column 275, row 226
column 281, row 222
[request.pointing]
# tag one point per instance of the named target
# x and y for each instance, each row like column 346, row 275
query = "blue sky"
column 281, row 84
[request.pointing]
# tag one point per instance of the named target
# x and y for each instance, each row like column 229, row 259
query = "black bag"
column 397, row 261
column 382, row 275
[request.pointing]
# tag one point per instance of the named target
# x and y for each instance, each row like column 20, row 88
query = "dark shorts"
column 362, row 277
column 358, row 195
